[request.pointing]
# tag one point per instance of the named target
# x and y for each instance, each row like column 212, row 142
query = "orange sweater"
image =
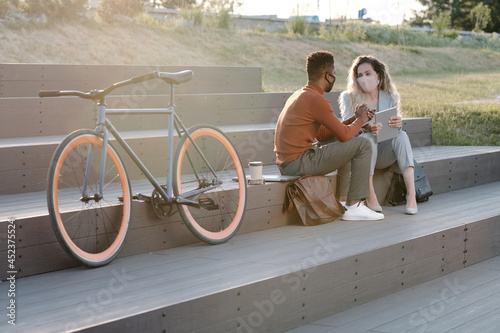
column 308, row 115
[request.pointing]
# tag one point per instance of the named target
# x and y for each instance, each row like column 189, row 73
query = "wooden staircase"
column 275, row 274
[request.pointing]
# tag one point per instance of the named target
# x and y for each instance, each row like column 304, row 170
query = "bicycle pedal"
column 141, row 197
column 208, row 204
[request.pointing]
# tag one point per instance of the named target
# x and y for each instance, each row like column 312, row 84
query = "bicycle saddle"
column 176, row 78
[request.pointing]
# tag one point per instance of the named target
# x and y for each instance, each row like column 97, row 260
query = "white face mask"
column 368, row 83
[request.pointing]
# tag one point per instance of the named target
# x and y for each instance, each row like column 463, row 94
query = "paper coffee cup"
column 255, row 170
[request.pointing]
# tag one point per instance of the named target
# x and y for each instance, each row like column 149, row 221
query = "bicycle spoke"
column 223, row 206
column 90, row 227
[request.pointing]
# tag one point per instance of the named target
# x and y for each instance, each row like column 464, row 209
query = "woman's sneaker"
column 361, row 213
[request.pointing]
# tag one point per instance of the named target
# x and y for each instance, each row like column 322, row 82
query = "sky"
column 386, row 11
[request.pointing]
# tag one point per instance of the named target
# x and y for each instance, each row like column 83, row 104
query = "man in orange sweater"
column 308, row 117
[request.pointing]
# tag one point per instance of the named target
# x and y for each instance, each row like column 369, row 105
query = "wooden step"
column 40, row 252
column 270, row 280
column 463, row 301
column 26, row 80
column 449, row 168
column 27, row 158
column 63, row 115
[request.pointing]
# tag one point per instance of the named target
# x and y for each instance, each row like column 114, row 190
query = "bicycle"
column 89, row 193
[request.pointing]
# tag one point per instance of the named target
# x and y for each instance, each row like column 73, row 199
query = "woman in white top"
column 369, row 83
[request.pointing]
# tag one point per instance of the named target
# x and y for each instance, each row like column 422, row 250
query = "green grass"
column 441, row 96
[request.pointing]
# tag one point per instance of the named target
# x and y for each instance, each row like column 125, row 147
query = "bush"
column 194, row 16
column 56, row 9
column 451, row 34
column 354, row 31
column 298, row 26
column 260, row 29
column 221, row 19
column 107, row 9
column 380, row 34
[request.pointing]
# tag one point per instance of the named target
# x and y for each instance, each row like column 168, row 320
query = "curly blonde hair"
column 354, row 90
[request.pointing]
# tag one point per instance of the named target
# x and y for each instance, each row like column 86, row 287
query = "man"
column 308, row 117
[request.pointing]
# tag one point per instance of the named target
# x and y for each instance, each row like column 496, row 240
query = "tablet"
column 383, row 117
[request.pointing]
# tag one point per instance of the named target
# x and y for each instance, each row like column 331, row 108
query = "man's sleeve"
column 331, row 127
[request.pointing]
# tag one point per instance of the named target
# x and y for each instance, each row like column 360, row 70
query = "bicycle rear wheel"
column 91, row 229
column 222, row 208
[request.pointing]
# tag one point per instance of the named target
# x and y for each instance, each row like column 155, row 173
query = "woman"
column 369, row 83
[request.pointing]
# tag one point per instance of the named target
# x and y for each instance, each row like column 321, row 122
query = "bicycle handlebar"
column 171, row 78
column 58, row 93
column 49, row 93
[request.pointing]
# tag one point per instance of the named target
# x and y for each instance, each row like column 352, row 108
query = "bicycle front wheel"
column 221, row 208
column 91, row 228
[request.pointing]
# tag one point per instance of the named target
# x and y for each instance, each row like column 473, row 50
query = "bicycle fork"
column 100, row 129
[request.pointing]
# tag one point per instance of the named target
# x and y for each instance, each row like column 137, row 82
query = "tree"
column 440, row 23
column 459, row 12
column 178, row 4
column 494, row 6
column 481, row 16
column 453, row 8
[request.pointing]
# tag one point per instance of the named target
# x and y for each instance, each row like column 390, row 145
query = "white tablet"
column 383, row 117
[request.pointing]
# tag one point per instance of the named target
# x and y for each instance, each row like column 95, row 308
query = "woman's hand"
column 396, row 122
column 374, row 128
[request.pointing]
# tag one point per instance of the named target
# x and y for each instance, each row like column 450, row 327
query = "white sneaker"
column 361, row 213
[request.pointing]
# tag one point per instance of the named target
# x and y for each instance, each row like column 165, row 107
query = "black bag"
column 397, row 191
column 313, row 198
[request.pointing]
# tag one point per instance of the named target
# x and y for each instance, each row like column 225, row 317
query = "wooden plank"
column 457, row 173
column 25, row 169
column 435, row 216
column 147, row 233
column 59, row 116
column 302, row 304
column 418, row 307
column 482, row 240
column 153, row 283
column 25, row 80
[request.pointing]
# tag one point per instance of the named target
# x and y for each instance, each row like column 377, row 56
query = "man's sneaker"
column 361, row 213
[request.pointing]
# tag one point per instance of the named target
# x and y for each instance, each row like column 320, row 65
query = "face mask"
column 330, row 86
column 368, row 83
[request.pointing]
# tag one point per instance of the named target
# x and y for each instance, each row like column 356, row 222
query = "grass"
column 441, row 97
column 430, row 80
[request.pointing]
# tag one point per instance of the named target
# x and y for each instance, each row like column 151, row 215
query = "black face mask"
column 330, row 83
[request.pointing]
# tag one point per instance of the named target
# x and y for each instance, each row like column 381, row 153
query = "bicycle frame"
column 105, row 127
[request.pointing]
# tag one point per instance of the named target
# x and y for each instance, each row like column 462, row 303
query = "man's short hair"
column 318, row 63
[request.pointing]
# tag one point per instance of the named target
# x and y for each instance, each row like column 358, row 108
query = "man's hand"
column 364, row 113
